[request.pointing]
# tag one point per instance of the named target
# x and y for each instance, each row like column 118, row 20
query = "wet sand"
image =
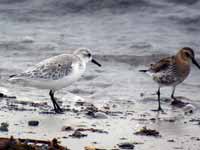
column 116, row 107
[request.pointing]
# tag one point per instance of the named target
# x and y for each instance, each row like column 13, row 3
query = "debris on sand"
column 91, row 129
column 83, row 103
column 6, row 96
column 195, row 138
column 33, row 123
column 25, row 144
column 21, row 105
column 95, row 148
column 27, row 39
column 189, row 109
column 90, row 148
column 4, row 126
column 123, row 138
column 94, row 112
column 91, row 110
column 140, row 119
column 67, row 128
column 196, row 120
column 126, row 145
column 100, row 115
column 78, row 134
column 31, row 104
column 171, row 140
column 148, row 132
column 178, row 103
column 137, row 143
column 170, row 120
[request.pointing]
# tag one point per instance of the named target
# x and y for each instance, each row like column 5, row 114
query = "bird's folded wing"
column 54, row 68
column 162, row 65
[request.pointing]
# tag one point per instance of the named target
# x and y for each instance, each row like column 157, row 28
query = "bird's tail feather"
column 13, row 75
column 143, row 71
column 14, row 78
column 147, row 71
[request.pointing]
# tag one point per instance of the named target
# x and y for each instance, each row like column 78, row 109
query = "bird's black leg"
column 175, row 101
column 55, row 104
column 51, row 93
column 159, row 105
column 172, row 95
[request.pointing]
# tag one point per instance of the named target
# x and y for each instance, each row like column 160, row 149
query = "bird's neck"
column 183, row 64
column 82, row 63
column 84, row 60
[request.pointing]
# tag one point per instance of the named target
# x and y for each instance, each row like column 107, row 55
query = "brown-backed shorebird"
column 172, row 71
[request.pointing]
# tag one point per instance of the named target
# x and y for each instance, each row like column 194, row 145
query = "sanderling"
column 56, row 72
column 171, row 71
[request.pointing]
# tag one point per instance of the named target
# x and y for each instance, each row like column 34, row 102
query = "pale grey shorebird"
column 56, row 72
column 172, row 71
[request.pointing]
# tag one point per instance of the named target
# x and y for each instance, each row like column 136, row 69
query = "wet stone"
column 78, row 134
column 126, row 145
column 90, row 148
column 153, row 119
column 148, row 132
column 189, row 109
column 123, row 138
column 92, row 130
column 33, row 123
column 1, row 95
column 4, row 126
column 195, row 120
column 67, row 128
column 171, row 140
column 178, row 103
column 195, row 138
column 29, row 144
column 6, row 96
column 170, row 120
column 100, row 115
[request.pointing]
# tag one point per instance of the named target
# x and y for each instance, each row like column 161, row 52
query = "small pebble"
column 188, row 109
column 27, row 39
column 90, row 148
column 126, row 146
column 100, row 115
column 78, row 134
column 4, row 126
column 171, row 140
column 33, row 123
column 67, row 128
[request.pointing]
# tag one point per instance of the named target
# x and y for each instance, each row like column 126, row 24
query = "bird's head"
column 187, row 54
column 85, row 55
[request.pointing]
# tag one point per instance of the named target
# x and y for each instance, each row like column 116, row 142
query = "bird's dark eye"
column 187, row 54
column 89, row 55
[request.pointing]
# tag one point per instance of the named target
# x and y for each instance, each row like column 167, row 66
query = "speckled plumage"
column 166, row 73
column 172, row 71
column 53, row 68
column 56, row 72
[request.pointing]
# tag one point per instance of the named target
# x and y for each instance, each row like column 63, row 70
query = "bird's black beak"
column 195, row 62
column 95, row 62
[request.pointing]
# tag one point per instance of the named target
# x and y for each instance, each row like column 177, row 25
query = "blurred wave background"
column 123, row 35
